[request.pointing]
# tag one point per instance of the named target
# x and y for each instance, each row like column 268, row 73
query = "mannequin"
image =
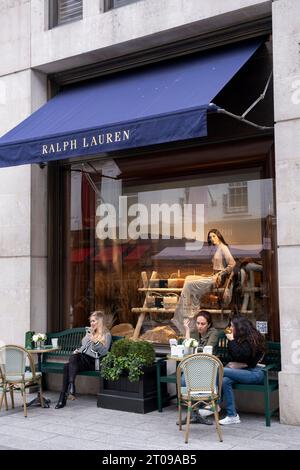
column 195, row 287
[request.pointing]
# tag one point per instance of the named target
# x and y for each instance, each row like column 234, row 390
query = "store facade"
column 107, row 180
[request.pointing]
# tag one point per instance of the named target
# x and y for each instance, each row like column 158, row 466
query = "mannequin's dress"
column 195, row 287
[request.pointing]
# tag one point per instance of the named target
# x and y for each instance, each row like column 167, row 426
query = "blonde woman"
column 95, row 344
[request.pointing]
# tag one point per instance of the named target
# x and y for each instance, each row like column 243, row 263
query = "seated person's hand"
column 229, row 336
column 76, row 351
column 186, row 323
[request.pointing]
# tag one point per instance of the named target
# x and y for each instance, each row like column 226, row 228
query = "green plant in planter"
column 129, row 357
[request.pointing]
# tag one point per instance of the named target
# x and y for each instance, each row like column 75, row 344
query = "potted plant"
column 189, row 345
column 39, row 339
column 128, row 377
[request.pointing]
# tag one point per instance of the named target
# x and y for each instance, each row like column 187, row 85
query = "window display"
column 136, row 244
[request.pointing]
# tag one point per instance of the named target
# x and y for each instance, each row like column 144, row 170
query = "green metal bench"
column 272, row 365
column 68, row 341
column 163, row 378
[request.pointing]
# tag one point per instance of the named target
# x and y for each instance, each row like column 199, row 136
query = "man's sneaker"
column 207, row 411
column 230, row 420
column 195, row 419
column 203, row 412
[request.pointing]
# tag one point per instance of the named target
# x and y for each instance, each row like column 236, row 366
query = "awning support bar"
column 240, row 118
column 260, row 98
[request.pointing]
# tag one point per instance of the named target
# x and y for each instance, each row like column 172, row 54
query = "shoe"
column 230, row 420
column 208, row 411
column 61, row 401
column 195, row 419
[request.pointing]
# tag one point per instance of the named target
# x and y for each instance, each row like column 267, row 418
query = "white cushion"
column 184, row 391
column 16, row 378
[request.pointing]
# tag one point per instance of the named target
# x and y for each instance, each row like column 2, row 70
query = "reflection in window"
column 113, row 238
column 236, row 200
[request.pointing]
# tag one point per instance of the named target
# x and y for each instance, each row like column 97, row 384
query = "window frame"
column 58, row 273
column 109, row 4
column 53, row 14
column 230, row 198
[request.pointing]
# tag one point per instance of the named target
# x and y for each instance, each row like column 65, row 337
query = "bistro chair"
column 203, row 374
column 14, row 375
column 3, row 395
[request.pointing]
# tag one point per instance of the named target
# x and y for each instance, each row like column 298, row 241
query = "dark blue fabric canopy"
column 162, row 103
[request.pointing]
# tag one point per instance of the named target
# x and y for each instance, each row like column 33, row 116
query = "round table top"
column 42, row 350
column 178, row 359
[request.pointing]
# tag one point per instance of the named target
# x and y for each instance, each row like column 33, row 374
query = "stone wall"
column 22, row 189
column 286, row 35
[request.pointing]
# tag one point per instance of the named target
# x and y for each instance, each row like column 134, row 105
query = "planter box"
column 137, row 397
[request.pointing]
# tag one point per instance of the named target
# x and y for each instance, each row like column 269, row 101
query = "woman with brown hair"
column 206, row 334
column 246, row 348
column 95, row 344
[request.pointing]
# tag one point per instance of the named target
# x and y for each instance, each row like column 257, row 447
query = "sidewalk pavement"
column 83, row 426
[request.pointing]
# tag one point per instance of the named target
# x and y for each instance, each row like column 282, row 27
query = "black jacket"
column 241, row 352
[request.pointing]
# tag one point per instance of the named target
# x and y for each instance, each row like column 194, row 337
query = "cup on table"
column 208, row 349
column 54, row 342
column 180, row 350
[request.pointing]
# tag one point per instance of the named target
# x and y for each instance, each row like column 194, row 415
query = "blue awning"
column 162, row 103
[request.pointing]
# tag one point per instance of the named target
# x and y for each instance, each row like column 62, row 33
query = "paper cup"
column 208, row 349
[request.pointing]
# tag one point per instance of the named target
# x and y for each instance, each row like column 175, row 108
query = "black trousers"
column 77, row 363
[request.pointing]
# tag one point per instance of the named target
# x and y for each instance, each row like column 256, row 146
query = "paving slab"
column 83, row 426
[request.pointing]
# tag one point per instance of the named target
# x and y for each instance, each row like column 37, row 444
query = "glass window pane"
column 109, row 4
column 122, row 225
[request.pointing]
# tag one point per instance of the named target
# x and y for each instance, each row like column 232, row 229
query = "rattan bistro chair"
column 203, row 375
column 14, row 375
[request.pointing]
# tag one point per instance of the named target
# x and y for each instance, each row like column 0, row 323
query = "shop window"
column 105, row 257
column 64, row 11
column 236, row 200
column 110, row 4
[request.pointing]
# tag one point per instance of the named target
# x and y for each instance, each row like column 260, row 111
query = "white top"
column 223, row 259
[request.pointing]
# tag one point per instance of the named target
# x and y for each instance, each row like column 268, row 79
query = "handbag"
column 170, row 301
column 175, row 280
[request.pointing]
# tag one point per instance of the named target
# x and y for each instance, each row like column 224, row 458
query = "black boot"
column 196, row 419
column 61, row 401
column 71, row 391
